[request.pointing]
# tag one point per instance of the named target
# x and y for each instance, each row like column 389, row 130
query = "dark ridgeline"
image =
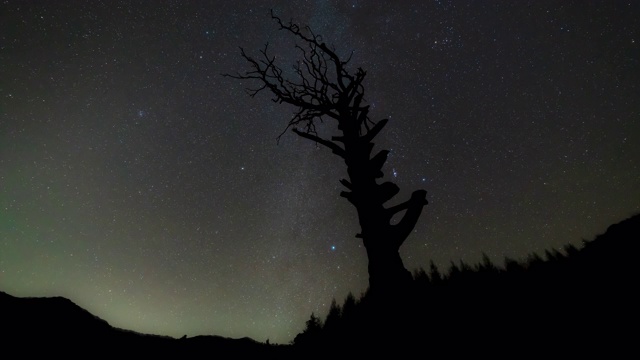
column 565, row 300
column 327, row 90
column 55, row 326
column 581, row 301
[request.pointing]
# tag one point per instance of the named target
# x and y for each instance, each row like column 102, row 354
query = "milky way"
column 140, row 183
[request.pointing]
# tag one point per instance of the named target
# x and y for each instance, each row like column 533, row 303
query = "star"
column 506, row 121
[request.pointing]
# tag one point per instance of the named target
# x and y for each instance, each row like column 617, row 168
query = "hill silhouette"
column 57, row 326
column 577, row 301
column 574, row 302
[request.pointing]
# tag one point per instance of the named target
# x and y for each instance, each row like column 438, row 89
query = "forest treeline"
column 577, row 301
column 578, row 298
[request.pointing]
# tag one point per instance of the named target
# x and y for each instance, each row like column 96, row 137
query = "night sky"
column 143, row 185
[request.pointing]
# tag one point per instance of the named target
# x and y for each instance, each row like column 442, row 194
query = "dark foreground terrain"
column 575, row 302
column 57, row 326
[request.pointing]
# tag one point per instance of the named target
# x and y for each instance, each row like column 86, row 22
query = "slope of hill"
column 577, row 301
column 57, row 326
column 574, row 301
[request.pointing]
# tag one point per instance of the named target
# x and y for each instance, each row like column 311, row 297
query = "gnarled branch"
column 323, row 87
column 336, row 149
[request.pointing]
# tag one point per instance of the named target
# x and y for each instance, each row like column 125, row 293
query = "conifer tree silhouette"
column 325, row 90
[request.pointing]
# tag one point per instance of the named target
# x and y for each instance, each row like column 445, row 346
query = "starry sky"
column 140, row 183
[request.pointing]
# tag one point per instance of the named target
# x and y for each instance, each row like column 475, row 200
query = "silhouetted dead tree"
column 325, row 88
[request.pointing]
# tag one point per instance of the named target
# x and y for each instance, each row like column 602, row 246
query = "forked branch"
column 321, row 88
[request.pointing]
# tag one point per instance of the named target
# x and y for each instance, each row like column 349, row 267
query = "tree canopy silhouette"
column 323, row 87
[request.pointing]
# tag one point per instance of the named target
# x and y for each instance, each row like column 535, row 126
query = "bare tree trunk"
column 382, row 240
column 387, row 274
column 325, row 88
